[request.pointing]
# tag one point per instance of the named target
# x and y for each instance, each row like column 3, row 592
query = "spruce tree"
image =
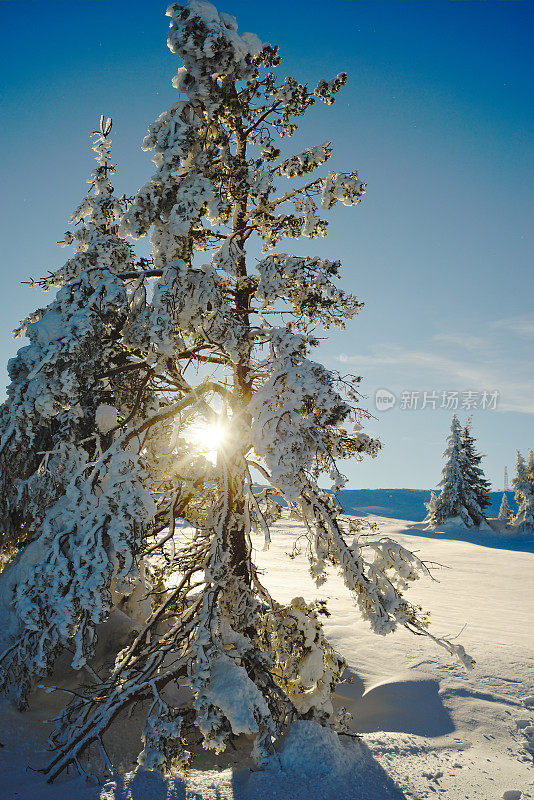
column 505, row 512
column 523, row 484
column 191, row 442
column 431, row 507
column 457, row 499
column 478, row 484
column 56, row 383
column 73, row 500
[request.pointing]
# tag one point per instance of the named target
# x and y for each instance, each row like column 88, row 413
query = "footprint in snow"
column 526, row 725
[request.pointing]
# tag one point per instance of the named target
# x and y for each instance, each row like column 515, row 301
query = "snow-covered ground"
column 427, row 727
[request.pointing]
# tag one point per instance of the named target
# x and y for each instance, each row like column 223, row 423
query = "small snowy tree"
column 266, row 408
column 457, row 499
column 431, row 506
column 530, row 467
column 505, row 512
column 523, row 484
column 476, row 480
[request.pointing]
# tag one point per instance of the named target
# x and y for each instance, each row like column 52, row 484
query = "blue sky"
column 437, row 117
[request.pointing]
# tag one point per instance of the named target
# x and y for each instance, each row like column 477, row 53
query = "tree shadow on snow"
column 318, row 776
column 313, row 764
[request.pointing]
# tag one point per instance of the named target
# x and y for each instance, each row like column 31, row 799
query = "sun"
column 208, row 438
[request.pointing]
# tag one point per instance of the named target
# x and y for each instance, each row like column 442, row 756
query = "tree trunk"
column 235, row 539
column 235, row 534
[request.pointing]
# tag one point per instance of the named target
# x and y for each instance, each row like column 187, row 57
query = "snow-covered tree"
column 530, row 466
column 66, row 486
column 457, row 499
column 521, row 479
column 505, row 512
column 223, row 341
column 431, row 506
column 48, row 407
column 477, row 482
column 523, row 484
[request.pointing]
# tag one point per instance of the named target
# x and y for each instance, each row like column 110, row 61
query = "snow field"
column 427, row 728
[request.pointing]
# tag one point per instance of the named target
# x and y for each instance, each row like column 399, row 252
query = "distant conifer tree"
column 523, row 484
column 505, row 512
column 458, row 497
column 478, row 483
column 431, row 506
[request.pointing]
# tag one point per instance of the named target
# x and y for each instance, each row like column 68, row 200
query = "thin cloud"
column 524, row 326
column 469, row 342
column 515, row 393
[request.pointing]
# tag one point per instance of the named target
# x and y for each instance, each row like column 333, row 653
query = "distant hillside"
column 402, row 503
